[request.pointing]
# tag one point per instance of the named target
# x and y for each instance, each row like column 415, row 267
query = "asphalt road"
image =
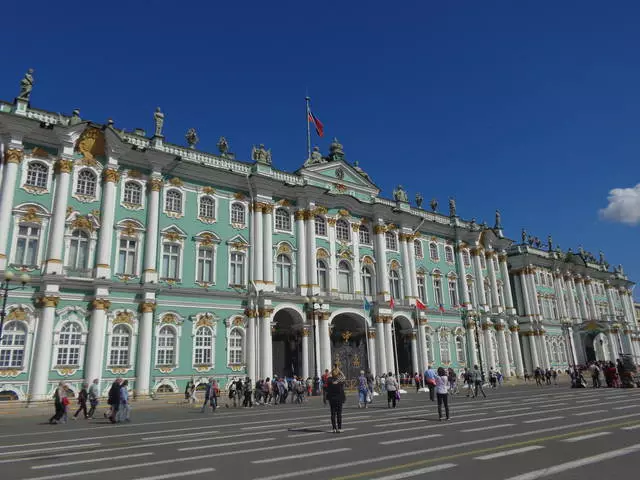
column 518, row 433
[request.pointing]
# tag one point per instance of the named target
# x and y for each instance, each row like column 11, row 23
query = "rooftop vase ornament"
column 26, row 85
column 223, row 146
column 550, row 242
column 419, row 200
column 434, row 205
column 524, row 236
column 192, row 138
column 261, row 154
column 158, row 118
column 400, row 195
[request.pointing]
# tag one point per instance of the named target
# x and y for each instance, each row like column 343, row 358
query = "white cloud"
column 624, row 206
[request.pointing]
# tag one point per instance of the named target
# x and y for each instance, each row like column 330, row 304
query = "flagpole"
column 307, row 100
column 366, row 336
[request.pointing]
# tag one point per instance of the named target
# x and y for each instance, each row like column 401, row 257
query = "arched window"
column 207, row 207
column 466, row 258
column 37, row 175
column 445, row 354
column 364, row 235
column 367, row 281
column 453, row 291
column 417, row 248
column 120, row 344
column 236, row 347
column 433, row 251
column 283, row 220
column 283, row 271
column 203, row 346
column 86, row 184
column 78, row 250
column 165, row 389
column 133, row 193
column 342, row 230
column 394, row 283
column 390, row 241
column 166, row 349
column 12, row 346
column 344, row 277
column 321, row 269
column 422, row 290
column 437, row 289
column 236, row 268
column 237, row 214
column 69, row 345
column 448, row 254
column 320, row 225
column 460, row 349
column 173, row 201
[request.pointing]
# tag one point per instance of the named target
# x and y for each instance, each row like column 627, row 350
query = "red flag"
column 441, row 308
column 420, row 305
column 317, row 124
column 392, row 303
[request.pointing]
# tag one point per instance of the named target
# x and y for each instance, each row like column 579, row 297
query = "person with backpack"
column 393, row 395
column 59, row 400
column 83, row 395
column 476, row 376
column 430, row 380
column 325, row 384
column 336, row 397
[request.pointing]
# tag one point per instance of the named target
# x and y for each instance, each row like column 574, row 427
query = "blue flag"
column 367, row 305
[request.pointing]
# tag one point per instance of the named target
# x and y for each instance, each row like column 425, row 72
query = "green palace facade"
column 161, row 263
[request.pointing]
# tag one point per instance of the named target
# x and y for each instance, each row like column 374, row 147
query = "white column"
column 302, row 254
column 110, row 177
column 325, row 343
column 258, row 272
column 526, row 354
column 506, row 282
column 412, row 265
column 631, row 315
column 627, row 307
column 267, row 241
column 333, row 264
column 312, row 270
column 305, row 353
column 422, row 332
column 614, row 346
column 250, row 345
column 502, row 351
column 38, row 380
column 572, row 347
column 517, row 352
column 557, row 285
column 150, row 272
column 591, row 301
column 414, row 354
column 495, row 298
column 582, row 304
column 95, row 342
column 479, row 278
column 491, row 360
column 371, row 346
column 266, row 348
column 471, row 343
column 388, row 345
column 145, row 343
column 317, row 364
column 406, row 269
column 533, row 349
column 13, row 156
column 355, row 242
column 382, row 275
column 380, row 346
column 546, row 359
column 533, row 294
column 462, row 279
column 570, row 288
column 53, row 264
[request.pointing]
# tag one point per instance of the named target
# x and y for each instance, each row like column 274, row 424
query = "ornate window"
column 417, row 248
column 460, row 349
column 205, row 272
column 422, row 289
column 448, row 254
column 237, row 214
column 342, row 230
column 207, row 207
column 443, row 340
column 344, row 277
column 483, row 261
column 283, row 272
column 394, row 283
column 166, row 347
column 37, row 175
column 69, row 345
column 320, row 225
column 127, row 256
column 171, row 261
column 390, row 240
column 501, row 294
column 367, row 281
column 13, row 344
column 132, row 193
column 364, row 235
column 472, row 291
column 27, row 244
column 173, row 201
column 236, row 347
column 78, row 250
column 466, row 258
column 437, row 289
column 203, row 346
column 86, row 183
column 120, row 345
column 321, row 269
column 236, row 268
column 283, row 220
column 453, row 291
column 433, row 251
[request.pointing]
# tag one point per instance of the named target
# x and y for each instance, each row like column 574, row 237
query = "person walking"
column 476, row 376
column 114, row 399
column 94, row 395
column 430, row 379
column 336, row 398
column 247, row 390
column 442, row 391
column 207, row 394
column 363, row 390
column 123, row 408
column 59, row 398
column 83, row 395
column 391, row 385
column 325, row 385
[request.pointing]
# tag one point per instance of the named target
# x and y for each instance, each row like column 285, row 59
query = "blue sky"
column 529, row 107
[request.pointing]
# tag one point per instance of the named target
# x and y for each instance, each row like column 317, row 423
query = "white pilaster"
column 381, row 347
column 506, row 282
column 495, row 298
column 582, row 304
column 479, row 278
column 302, row 254
column 412, row 265
column 145, row 341
column 462, row 279
column 325, row 343
column 333, row 264
column 422, row 334
column 570, row 288
column 382, row 275
column 355, row 242
column 13, row 156
column 371, row 347
column 546, row 359
column 97, row 330
column 533, row 349
column 488, row 346
column 38, row 381
column 266, row 347
column 251, row 342
column 267, row 241
column 388, row 345
column 406, row 269
column 305, row 353
column 64, row 166
column 503, row 355
column 258, row 252
column 517, row 352
column 557, row 286
column 591, row 301
column 471, row 344
column 414, row 354
column 110, row 177
column 312, row 270
column 150, row 272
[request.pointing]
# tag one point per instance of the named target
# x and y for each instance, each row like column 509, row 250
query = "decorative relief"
column 82, row 222
column 119, row 370
column 66, row 371
column 123, row 317
column 300, row 214
column 320, row 210
column 18, row 314
column 283, row 248
column 355, row 227
column 322, row 253
column 238, row 245
column 171, row 319
column 35, row 190
column 205, row 320
column 206, row 239
column 91, row 143
column 343, row 212
column 176, row 182
column 367, row 260
column 284, row 203
column 331, row 222
column 129, row 228
column 208, row 190
column 10, row 372
column 64, row 166
column 166, row 369
column 39, row 152
column 110, row 175
column 239, row 196
column 172, row 236
column 267, row 208
column 100, row 304
column 31, row 216
column 13, row 155
column 155, row 184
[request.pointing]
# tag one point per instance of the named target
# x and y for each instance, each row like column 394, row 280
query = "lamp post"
column 314, row 304
column 478, row 347
column 566, row 326
column 8, row 278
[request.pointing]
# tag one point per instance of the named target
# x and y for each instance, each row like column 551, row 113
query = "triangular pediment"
column 338, row 173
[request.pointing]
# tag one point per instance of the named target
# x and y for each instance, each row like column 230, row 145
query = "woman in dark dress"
column 335, row 397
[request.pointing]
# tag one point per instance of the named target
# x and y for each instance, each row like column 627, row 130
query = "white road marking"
column 91, row 460
column 625, row 407
column 415, row 473
column 178, row 474
column 546, row 419
column 563, row 467
column 509, row 452
column 51, row 449
column 590, row 400
column 301, row 455
column 404, row 440
column 489, row 427
column 515, row 410
column 163, row 437
column 586, row 437
column 324, row 432
column 580, row 414
column 395, row 424
column 632, row 427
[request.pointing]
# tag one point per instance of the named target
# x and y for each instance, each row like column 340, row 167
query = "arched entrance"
column 403, row 335
column 348, row 335
column 286, row 335
column 596, row 347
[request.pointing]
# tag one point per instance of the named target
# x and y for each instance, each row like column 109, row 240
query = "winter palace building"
column 160, row 263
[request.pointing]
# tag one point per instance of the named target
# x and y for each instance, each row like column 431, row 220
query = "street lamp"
column 314, row 304
column 478, row 323
column 8, row 278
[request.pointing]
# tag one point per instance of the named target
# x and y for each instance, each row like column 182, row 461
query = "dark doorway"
column 286, row 337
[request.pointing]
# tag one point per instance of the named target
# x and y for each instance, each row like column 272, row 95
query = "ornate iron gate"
column 351, row 356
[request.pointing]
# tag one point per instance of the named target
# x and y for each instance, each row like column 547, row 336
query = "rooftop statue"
column 400, row 195
column 336, row 151
column 26, row 85
column 602, row 259
column 524, row 236
column 261, row 154
column 473, row 226
column 75, row 117
column 550, row 242
column 315, row 158
column 223, row 145
column 498, row 220
column 419, row 200
column 158, row 118
column 452, row 207
column 434, row 205
column 356, row 167
column 192, row 138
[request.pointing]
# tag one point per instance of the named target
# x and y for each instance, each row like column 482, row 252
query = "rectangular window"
column 437, row 287
column 236, row 269
column 422, row 291
column 127, row 257
column 205, row 265
column 171, row 261
column 27, row 245
column 453, row 293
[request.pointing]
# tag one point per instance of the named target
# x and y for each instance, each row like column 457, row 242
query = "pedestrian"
column 336, row 398
column 124, row 408
column 114, row 399
column 391, row 385
column 325, row 385
column 82, row 402
column 247, row 390
column 430, row 379
column 493, row 380
column 476, row 376
column 442, row 391
column 94, row 395
column 537, row 374
column 451, row 375
column 207, row 394
column 189, row 392
column 416, row 381
column 370, row 382
column 363, row 390
column 59, row 397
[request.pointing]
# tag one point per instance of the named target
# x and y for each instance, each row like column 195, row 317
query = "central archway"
column 286, row 337
column 404, row 335
column 348, row 334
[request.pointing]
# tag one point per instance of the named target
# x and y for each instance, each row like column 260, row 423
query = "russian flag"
column 441, row 308
column 392, row 303
column 420, row 305
column 317, row 124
